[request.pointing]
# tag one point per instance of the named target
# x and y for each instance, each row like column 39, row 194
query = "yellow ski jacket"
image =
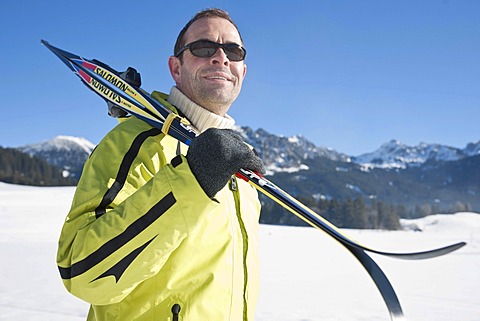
column 142, row 241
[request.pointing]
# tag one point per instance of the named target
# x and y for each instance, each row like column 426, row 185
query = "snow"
column 395, row 155
column 85, row 144
column 274, row 168
column 63, row 143
column 473, row 149
column 305, row 275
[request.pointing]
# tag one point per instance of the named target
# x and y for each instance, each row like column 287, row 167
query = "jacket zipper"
column 236, row 196
column 175, row 311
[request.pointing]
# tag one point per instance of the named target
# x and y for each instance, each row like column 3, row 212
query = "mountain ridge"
column 288, row 154
column 438, row 175
column 395, row 154
column 66, row 152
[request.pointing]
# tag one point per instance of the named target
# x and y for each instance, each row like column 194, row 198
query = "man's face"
column 214, row 82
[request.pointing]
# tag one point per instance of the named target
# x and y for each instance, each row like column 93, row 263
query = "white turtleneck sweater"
column 200, row 118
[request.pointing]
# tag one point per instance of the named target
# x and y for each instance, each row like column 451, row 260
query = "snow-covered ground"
column 305, row 275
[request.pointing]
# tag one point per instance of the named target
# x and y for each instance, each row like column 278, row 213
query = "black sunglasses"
column 207, row 48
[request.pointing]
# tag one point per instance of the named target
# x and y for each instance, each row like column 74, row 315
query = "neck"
column 201, row 118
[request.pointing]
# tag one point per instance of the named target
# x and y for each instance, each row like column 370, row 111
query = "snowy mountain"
column 439, row 176
column 286, row 154
column 67, row 152
column 279, row 153
column 472, row 149
column 394, row 154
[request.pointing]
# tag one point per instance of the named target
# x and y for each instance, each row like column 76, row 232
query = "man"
column 156, row 235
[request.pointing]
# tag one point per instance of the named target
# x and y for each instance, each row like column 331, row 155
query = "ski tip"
column 460, row 244
column 437, row 252
column 455, row 246
column 47, row 44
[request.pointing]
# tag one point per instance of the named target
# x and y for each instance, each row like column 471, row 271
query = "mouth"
column 218, row 76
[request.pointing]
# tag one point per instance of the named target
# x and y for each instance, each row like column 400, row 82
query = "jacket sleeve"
column 131, row 210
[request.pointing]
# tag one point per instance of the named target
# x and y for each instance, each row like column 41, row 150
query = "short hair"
column 207, row 13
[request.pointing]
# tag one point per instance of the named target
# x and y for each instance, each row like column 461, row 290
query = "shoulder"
column 130, row 134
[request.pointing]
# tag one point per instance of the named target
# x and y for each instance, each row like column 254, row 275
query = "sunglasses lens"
column 234, row 52
column 203, row 48
column 206, row 49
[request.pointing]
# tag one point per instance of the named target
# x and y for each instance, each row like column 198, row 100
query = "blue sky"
column 349, row 75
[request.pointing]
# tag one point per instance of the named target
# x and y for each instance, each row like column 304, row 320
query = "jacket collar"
column 200, row 118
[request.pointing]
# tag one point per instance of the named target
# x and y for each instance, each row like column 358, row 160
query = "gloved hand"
column 132, row 77
column 216, row 154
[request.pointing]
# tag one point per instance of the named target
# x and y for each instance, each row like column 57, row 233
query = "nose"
column 220, row 57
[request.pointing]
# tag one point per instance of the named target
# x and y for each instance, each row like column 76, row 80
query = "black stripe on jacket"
column 120, row 240
column 122, row 174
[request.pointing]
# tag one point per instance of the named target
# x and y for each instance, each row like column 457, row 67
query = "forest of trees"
column 353, row 213
column 350, row 213
column 20, row 168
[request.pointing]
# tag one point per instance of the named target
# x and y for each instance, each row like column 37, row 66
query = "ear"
column 244, row 70
column 174, row 64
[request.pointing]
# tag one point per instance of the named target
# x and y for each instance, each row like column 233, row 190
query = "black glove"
column 132, row 77
column 215, row 155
